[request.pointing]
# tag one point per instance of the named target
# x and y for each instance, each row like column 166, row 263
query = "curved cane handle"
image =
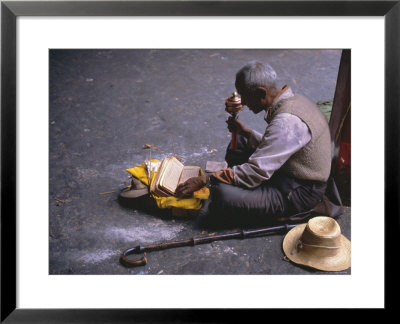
column 132, row 263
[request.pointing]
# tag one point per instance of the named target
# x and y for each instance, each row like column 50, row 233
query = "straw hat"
column 318, row 244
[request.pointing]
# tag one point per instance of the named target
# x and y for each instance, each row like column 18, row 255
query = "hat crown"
column 321, row 236
column 137, row 184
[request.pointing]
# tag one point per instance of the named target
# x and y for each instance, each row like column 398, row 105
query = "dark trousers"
column 280, row 196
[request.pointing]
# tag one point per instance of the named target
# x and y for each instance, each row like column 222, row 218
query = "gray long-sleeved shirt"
column 285, row 135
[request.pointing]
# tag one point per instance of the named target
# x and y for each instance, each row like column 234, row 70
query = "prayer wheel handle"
column 133, row 263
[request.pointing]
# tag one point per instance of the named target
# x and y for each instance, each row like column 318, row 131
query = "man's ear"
column 261, row 94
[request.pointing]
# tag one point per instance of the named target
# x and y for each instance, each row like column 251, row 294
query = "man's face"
column 250, row 100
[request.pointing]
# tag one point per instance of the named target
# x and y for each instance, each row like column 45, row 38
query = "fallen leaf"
column 212, row 151
column 152, row 146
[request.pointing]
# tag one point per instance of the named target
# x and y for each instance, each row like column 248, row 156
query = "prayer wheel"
column 233, row 105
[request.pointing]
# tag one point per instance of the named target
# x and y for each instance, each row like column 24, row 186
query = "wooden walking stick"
column 233, row 105
column 195, row 241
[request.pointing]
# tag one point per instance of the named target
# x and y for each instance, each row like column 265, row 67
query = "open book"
column 172, row 173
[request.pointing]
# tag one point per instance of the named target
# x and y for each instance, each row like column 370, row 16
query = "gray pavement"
column 105, row 105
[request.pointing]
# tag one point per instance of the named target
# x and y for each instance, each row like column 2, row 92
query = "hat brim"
column 133, row 193
column 340, row 261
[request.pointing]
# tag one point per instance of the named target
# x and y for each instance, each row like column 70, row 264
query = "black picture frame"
column 11, row 10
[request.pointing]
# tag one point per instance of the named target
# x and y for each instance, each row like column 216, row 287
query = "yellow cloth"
column 140, row 172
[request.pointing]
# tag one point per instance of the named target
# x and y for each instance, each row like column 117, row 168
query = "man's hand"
column 226, row 175
column 237, row 126
column 191, row 185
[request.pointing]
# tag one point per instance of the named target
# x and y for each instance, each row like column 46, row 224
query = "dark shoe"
column 203, row 216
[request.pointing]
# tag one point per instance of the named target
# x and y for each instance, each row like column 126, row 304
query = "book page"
column 189, row 172
column 157, row 178
column 171, row 175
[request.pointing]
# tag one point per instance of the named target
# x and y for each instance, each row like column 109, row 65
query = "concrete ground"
column 105, row 105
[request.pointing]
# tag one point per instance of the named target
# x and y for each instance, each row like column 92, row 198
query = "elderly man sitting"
column 274, row 175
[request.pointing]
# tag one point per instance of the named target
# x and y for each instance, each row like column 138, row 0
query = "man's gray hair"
column 255, row 74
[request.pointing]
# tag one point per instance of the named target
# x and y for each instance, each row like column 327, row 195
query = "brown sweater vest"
column 313, row 161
